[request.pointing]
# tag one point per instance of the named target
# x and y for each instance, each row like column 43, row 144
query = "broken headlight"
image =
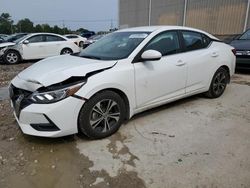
column 54, row 96
column 2, row 50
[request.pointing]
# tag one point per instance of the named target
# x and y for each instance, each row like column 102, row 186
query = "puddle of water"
column 4, row 93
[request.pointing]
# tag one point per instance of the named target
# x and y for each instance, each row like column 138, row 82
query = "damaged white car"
column 36, row 46
column 124, row 73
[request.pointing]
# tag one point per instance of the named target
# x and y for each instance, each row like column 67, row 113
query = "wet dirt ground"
column 195, row 142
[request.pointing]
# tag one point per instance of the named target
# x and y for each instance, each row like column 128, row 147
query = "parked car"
column 37, row 46
column 1, row 40
column 242, row 46
column 14, row 37
column 78, row 40
column 92, row 40
column 122, row 74
column 87, row 34
column 4, row 36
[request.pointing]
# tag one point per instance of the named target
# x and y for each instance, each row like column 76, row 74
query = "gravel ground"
column 195, row 142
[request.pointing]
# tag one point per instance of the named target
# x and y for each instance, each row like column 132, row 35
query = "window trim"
column 137, row 58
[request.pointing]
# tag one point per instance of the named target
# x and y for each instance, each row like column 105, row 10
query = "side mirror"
column 26, row 42
column 151, row 55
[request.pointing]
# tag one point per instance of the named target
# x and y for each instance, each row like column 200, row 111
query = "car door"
column 35, row 48
column 200, row 58
column 54, row 45
column 160, row 80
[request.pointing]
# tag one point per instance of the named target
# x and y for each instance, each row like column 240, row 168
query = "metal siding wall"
column 133, row 13
column 214, row 16
column 217, row 16
column 248, row 20
column 167, row 12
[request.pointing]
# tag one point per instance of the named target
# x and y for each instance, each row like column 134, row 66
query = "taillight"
column 234, row 51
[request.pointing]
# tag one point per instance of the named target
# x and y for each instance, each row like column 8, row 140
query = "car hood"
column 60, row 68
column 6, row 44
column 241, row 44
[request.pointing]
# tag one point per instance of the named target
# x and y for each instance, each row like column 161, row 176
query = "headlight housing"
column 54, row 96
column 2, row 50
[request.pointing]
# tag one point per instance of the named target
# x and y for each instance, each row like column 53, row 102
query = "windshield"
column 114, row 46
column 245, row 36
column 20, row 39
column 15, row 37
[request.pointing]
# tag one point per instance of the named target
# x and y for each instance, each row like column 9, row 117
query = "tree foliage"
column 7, row 26
column 25, row 25
column 5, row 23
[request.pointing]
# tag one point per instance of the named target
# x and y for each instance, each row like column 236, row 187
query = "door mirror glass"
column 26, row 42
column 151, row 55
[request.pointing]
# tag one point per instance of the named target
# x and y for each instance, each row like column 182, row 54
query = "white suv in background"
column 36, row 46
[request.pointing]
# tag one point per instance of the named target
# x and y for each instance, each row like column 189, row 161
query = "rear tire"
column 102, row 115
column 218, row 84
column 11, row 57
column 66, row 51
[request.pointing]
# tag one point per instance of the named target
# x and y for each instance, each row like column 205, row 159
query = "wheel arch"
column 15, row 50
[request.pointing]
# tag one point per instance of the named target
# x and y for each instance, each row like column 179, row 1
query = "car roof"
column 163, row 28
column 33, row 34
column 71, row 35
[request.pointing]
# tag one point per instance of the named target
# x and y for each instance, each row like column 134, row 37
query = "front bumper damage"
column 45, row 120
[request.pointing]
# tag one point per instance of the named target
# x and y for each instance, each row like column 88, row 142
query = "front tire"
column 102, row 115
column 11, row 57
column 218, row 84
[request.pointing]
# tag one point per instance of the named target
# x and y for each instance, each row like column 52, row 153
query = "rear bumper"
column 242, row 63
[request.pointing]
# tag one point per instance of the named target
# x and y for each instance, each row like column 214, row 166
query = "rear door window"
column 195, row 40
column 52, row 38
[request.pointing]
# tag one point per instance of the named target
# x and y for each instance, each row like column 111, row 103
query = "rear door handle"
column 215, row 54
column 180, row 63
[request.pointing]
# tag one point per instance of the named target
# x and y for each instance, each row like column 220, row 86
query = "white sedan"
column 124, row 73
column 36, row 46
column 78, row 40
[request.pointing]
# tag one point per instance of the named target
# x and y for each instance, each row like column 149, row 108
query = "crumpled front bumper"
column 50, row 120
column 45, row 120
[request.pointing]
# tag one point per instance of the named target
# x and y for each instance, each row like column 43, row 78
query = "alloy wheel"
column 220, row 83
column 104, row 115
column 12, row 57
column 66, row 51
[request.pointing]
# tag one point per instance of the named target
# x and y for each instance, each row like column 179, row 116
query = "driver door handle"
column 180, row 63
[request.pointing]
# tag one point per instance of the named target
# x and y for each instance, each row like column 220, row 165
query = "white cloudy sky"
column 91, row 14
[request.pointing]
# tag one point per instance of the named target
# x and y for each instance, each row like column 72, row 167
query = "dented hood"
column 57, row 69
column 6, row 44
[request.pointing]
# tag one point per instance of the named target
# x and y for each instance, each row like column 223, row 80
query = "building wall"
column 220, row 17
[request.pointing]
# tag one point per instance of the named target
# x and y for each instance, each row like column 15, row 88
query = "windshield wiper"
column 91, row 57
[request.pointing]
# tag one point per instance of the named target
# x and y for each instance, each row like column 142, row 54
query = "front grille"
column 19, row 98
